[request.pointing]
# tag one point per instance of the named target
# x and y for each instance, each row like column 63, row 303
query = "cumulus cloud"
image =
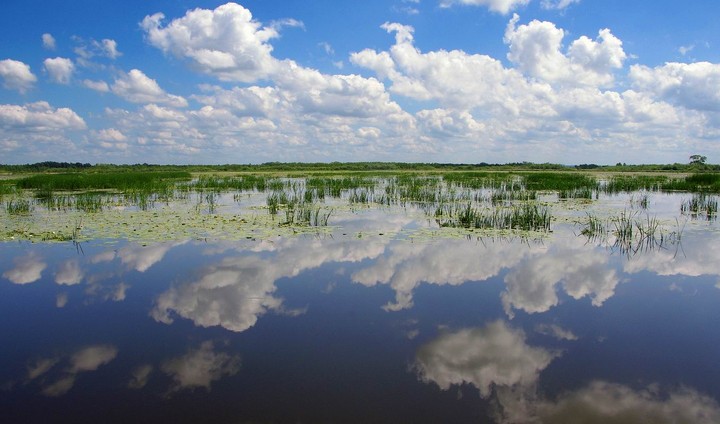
column 28, row 269
column 16, row 75
column 200, row 367
column 48, row 41
column 136, row 87
column 492, row 356
column 499, row 6
column 689, row 85
column 59, row 69
column 536, row 49
column 225, row 42
column 39, row 116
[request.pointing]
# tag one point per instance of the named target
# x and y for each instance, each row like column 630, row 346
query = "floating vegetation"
column 700, row 206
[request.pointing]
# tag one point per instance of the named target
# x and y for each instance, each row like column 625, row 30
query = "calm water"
column 348, row 327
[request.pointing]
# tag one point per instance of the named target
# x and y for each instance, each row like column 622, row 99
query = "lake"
column 386, row 312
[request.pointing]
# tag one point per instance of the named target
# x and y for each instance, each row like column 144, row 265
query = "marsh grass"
column 558, row 181
column 630, row 232
column 523, row 217
column 700, row 206
column 151, row 181
column 18, row 207
column 632, row 183
column 705, row 182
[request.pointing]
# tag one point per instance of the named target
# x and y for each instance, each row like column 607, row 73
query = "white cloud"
column 536, row 49
column 683, row 50
column 28, row 269
column 225, row 42
column 39, row 116
column 689, row 85
column 59, row 69
column 110, row 48
column 499, row 6
column 557, row 4
column 48, row 41
column 136, row 87
column 16, row 75
column 94, row 48
column 111, row 134
column 491, row 357
column 200, row 367
column 100, row 86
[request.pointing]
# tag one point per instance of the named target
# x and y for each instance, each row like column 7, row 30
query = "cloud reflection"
column 579, row 268
column 84, row 360
column 200, row 367
column 235, row 292
column 603, row 402
column 492, row 356
column 28, row 269
column 443, row 262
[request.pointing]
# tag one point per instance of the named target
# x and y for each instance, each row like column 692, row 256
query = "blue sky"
column 562, row 81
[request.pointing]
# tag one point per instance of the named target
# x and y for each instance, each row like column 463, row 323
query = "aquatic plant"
column 700, row 206
column 18, row 206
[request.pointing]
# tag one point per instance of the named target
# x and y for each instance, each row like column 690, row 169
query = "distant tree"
column 697, row 159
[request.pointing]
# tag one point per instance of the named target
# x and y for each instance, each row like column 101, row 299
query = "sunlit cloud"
column 16, row 75
column 59, row 69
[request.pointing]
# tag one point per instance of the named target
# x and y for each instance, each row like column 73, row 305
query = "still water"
column 364, row 323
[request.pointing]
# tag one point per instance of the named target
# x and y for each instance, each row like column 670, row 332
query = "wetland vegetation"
column 120, row 201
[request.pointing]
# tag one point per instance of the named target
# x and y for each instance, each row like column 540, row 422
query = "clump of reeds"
column 700, row 206
column 524, row 217
column 18, row 206
column 631, row 233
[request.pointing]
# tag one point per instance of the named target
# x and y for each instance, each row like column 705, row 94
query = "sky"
column 452, row 81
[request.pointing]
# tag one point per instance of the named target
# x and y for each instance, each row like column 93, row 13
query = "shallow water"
column 380, row 318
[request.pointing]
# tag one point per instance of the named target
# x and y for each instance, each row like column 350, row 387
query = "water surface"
column 381, row 317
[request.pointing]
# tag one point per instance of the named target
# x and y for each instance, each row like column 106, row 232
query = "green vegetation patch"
column 101, row 181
